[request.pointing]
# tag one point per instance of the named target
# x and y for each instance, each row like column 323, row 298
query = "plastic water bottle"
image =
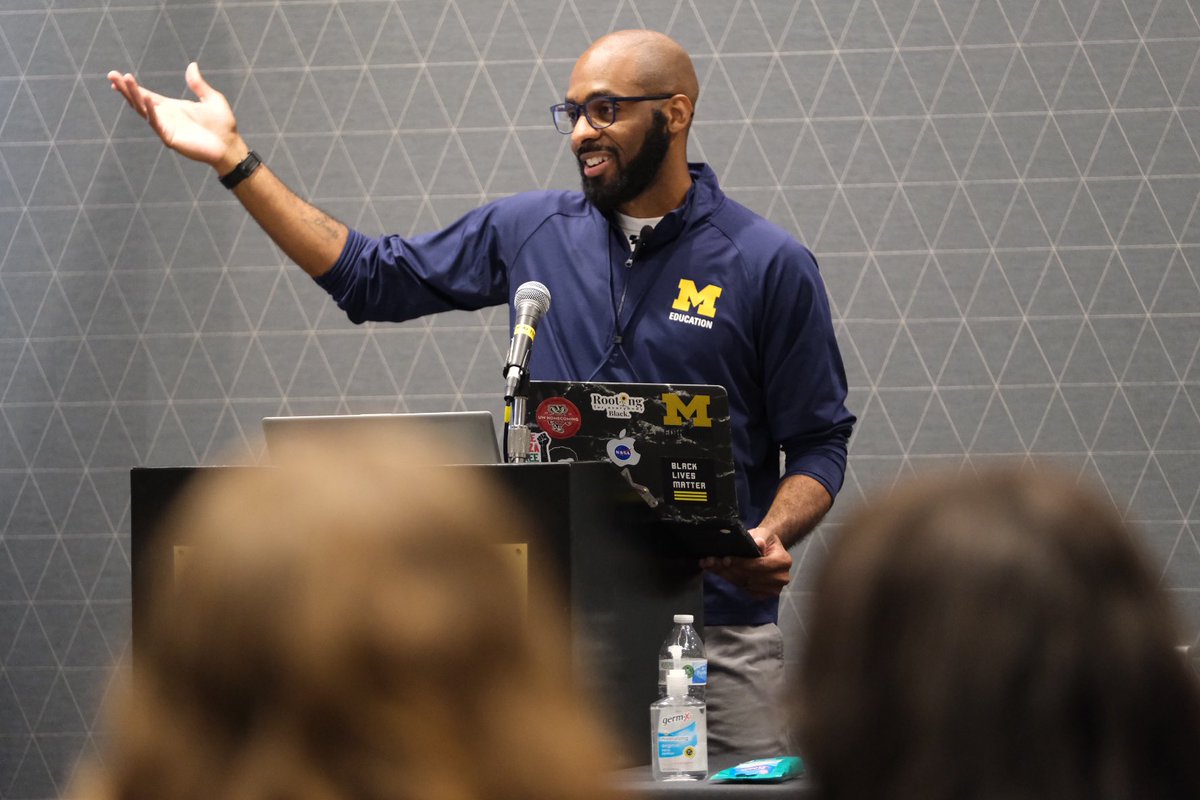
column 693, row 662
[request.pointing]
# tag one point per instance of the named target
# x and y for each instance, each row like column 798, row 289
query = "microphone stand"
column 516, row 432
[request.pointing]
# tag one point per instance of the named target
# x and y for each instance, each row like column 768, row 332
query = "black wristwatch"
column 241, row 171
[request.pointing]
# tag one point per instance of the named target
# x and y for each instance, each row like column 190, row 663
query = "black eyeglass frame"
column 581, row 108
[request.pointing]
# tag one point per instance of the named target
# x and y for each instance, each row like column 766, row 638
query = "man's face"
column 615, row 170
column 620, row 162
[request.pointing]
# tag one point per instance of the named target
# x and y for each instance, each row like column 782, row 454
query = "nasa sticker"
column 622, row 451
column 558, row 417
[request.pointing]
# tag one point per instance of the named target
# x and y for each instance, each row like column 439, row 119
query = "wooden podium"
column 596, row 540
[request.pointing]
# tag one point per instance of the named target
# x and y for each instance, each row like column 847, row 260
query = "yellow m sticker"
column 696, row 410
column 703, row 300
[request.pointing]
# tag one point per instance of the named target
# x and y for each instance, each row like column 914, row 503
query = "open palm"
column 200, row 129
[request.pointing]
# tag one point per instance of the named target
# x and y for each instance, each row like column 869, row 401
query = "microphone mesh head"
column 533, row 292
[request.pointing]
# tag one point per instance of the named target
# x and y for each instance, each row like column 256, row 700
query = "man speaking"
column 656, row 277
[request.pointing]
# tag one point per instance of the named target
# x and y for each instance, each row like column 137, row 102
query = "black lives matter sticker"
column 687, row 481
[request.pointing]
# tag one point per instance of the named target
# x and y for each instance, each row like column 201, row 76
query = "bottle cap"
column 684, row 619
column 676, row 651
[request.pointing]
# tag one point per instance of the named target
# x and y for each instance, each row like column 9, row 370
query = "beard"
column 633, row 178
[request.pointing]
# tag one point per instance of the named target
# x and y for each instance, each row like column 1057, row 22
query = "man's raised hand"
column 204, row 129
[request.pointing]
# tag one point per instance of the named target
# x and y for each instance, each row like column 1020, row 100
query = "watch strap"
column 242, row 171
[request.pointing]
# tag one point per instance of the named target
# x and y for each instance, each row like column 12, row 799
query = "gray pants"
column 745, row 694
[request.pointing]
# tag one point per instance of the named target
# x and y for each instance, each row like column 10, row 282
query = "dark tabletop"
column 637, row 782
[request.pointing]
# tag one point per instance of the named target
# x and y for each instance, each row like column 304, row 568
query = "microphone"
column 532, row 301
column 638, row 242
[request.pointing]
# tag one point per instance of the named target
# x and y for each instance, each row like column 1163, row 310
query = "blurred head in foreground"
column 995, row 636
column 347, row 625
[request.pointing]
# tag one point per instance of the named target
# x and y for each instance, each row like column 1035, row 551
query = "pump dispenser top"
column 677, row 679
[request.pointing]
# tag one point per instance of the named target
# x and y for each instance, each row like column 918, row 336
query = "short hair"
column 997, row 635
column 347, row 626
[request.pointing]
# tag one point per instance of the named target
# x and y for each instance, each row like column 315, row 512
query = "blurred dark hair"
column 997, row 635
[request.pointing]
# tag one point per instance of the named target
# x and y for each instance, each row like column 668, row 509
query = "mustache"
column 594, row 148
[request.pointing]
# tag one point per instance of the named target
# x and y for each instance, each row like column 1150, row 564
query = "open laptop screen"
column 469, row 436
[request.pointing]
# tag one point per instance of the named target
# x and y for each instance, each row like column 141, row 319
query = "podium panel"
column 595, row 540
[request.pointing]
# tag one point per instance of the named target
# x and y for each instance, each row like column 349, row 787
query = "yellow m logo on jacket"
column 703, row 300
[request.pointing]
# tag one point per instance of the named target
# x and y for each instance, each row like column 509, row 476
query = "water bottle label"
column 696, row 669
column 680, row 739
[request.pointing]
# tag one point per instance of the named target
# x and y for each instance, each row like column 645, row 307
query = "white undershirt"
column 632, row 226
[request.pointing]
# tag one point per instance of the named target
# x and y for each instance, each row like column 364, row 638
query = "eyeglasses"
column 600, row 112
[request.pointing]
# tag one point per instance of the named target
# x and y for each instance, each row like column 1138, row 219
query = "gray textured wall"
column 1002, row 195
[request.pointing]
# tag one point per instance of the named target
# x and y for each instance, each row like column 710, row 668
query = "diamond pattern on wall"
column 1002, row 196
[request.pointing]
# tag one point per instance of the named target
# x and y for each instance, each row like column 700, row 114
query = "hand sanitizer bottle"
column 678, row 730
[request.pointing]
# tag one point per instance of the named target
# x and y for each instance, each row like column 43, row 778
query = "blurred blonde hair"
column 347, row 627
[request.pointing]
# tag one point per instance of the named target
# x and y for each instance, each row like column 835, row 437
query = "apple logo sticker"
column 622, row 452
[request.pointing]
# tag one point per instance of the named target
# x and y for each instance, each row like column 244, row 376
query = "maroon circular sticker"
column 558, row 417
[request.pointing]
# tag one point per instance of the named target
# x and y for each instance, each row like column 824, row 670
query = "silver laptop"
column 469, row 436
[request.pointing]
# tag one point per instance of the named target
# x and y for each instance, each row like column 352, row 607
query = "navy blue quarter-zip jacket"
column 716, row 294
